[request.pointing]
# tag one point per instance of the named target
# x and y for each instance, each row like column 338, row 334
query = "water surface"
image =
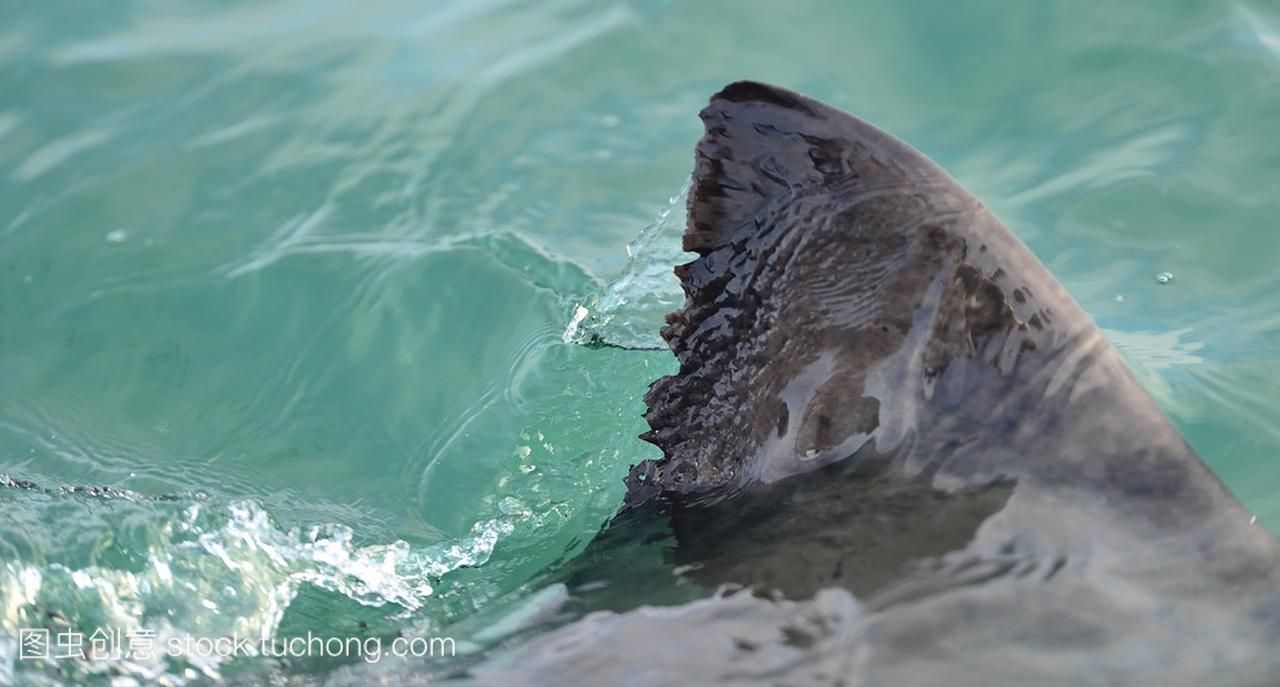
column 296, row 276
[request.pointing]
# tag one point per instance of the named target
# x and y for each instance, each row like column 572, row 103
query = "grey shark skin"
column 849, row 293
column 895, row 425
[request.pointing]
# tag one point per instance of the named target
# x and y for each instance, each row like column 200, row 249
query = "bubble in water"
column 1164, row 277
column 511, row 505
column 116, row 237
column 571, row 332
column 1119, row 297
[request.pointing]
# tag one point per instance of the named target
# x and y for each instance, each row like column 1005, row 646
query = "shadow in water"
column 859, row 524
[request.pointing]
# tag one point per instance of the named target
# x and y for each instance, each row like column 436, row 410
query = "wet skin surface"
column 849, row 293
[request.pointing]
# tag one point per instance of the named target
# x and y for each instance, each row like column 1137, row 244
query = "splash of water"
column 214, row 571
column 632, row 308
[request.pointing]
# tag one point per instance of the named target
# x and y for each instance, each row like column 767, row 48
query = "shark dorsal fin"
column 849, row 296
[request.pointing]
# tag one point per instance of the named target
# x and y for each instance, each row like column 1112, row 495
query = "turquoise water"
column 299, row 278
